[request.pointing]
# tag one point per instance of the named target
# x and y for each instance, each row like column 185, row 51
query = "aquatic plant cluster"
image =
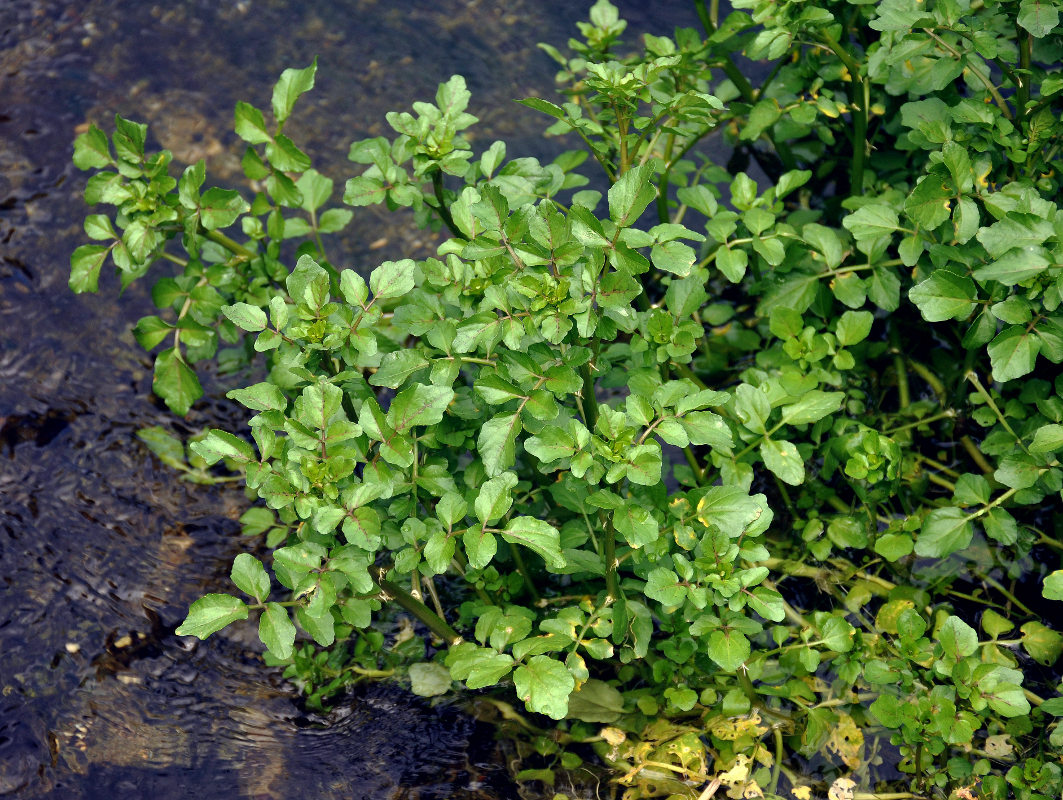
column 751, row 484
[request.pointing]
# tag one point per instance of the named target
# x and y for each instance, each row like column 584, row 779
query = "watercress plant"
column 713, row 470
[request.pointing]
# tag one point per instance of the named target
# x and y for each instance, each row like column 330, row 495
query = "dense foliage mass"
column 730, row 476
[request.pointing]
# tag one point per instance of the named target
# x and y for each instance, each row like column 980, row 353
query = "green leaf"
column 854, row 327
column 92, row 150
column 944, row 295
column 636, row 524
column 393, row 278
column 551, row 444
column 872, row 222
column 168, row 449
column 543, row 105
column 596, row 701
column 544, row 684
column 250, row 125
column 729, row 649
column 260, row 397
column 1041, row 642
column 664, row 586
column 221, row 444
column 151, row 331
column 246, row 316
column 1053, row 588
column 497, row 441
column 85, row 264
column 674, row 257
column 292, row 83
column 478, row 666
column 495, row 498
column 894, row 546
column 276, row 630
column 945, row 531
column 630, row 195
column 396, row 367
column 210, row 614
column 429, row 679
column 1015, row 266
column 284, row 156
column 812, row 407
column 782, row 458
column 1013, row 353
column 729, row 508
column 421, row 404
column 732, row 262
column 1039, row 17
column 706, row 428
column 958, row 639
column 928, row 204
column 250, row 576
column 537, row 535
column 480, row 547
column 1047, row 439
column 334, row 220
column 220, row 208
column 175, row 382
column 1007, row 699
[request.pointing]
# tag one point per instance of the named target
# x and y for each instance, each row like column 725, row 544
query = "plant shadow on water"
column 101, row 545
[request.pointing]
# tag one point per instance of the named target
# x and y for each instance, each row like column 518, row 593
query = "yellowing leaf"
column 847, row 741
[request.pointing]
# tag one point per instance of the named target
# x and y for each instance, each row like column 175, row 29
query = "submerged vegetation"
column 746, row 475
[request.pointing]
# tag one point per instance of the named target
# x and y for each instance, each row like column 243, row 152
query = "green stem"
column 861, row 98
column 932, row 380
column 1022, row 79
column 232, row 246
column 590, row 399
column 989, row 85
column 433, row 622
column 946, row 414
column 444, row 211
column 612, row 584
column 904, row 397
column 518, row 559
column 1006, row 592
column 976, row 455
column 970, row 376
column 695, row 467
column 774, row 785
column 462, row 565
column 745, row 88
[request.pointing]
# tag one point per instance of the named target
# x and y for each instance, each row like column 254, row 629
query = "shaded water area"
column 101, row 547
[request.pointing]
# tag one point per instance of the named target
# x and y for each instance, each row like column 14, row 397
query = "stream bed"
column 102, row 547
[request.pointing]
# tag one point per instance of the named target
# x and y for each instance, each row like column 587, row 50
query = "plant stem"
column 229, row 244
column 861, row 98
column 946, row 414
column 612, row 585
column 518, row 559
column 774, row 784
column 745, row 88
column 989, row 85
column 590, row 400
column 444, row 211
column 976, row 455
column 970, row 376
column 904, row 397
column 431, row 620
column 931, row 379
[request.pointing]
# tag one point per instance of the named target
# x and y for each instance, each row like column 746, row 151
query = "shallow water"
column 102, row 548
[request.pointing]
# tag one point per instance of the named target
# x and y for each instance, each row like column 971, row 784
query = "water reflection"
column 102, row 548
